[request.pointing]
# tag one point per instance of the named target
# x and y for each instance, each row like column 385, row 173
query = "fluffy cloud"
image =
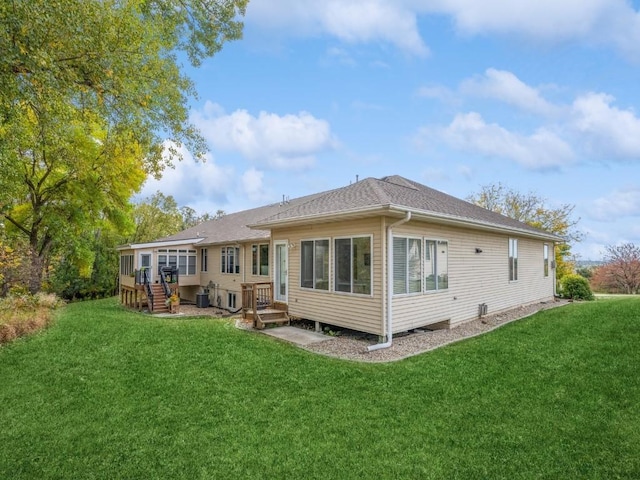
column 469, row 132
column 612, row 23
column 619, row 204
column 355, row 21
column 606, row 129
column 191, row 181
column 505, row 86
column 288, row 142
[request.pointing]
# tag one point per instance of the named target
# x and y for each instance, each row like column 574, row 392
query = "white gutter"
column 389, row 327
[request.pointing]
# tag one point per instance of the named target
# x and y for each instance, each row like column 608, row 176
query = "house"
column 379, row 256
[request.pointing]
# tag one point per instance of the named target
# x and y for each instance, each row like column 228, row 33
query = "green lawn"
column 107, row 393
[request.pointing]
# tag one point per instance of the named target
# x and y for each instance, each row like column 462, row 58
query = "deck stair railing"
column 258, row 304
column 146, row 281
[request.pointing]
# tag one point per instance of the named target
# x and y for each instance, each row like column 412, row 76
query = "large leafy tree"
column 89, row 90
column 621, row 271
column 532, row 209
column 159, row 216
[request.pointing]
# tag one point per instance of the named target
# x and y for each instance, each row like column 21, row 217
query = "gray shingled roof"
column 399, row 193
column 233, row 227
column 376, row 195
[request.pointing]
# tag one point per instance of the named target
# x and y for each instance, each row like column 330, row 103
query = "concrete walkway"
column 298, row 336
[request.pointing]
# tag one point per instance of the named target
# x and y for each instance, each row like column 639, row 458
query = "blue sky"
column 541, row 96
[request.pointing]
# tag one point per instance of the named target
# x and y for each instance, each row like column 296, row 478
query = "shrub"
column 22, row 315
column 575, row 287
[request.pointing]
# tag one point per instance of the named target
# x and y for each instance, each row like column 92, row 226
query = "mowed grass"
column 107, row 393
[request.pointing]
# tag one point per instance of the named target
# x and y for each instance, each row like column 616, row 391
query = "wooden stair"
column 270, row 315
column 159, row 299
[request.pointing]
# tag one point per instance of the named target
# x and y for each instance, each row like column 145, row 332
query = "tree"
column 531, row 209
column 621, row 272
column 160, row 216
column 89, row 89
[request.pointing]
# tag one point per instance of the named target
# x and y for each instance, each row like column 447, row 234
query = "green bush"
column 575, row 287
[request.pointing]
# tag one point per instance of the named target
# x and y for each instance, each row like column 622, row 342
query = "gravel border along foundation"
column 350, row 345
column 354, row 347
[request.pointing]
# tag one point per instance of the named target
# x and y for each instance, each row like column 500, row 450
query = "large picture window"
column 436, row 265
column 314, row 264
column 407, row 266
column 183, row 260
column 260, row 259
column 513, row 259
column 353, row 265
column 230, row 260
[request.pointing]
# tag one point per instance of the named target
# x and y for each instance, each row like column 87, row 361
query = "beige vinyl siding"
column 226, row 282
column 358, row 312
column 474, row 278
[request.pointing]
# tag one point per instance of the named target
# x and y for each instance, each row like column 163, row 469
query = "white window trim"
column 259, row 257
column 511, row 268
column 236, row 253
column 329, row 266
column 332, row 247
column 422, row 291
column 432, row 239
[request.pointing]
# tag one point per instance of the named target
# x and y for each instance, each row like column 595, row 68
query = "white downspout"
column 389, row 328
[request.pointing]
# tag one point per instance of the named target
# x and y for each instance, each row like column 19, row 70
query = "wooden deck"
column 259, row 306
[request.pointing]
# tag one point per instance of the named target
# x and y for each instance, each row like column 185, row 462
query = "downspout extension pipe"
column 389, row 328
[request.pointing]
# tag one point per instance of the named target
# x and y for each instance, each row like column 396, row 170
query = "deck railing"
column 257, row 296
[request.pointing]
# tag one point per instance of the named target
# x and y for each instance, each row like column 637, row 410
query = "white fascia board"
column 321, row 217
column 475, row 224
column 169, row 243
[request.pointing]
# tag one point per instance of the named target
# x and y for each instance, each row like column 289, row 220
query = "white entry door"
column 281, row 280
column 146, row 262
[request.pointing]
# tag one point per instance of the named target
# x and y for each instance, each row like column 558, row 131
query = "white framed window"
column 231, row 301
column 230, row 260
column 126, row 264
column 204, row 262
column 352, row 265
column 260, row 259
column 436, row 265
column 545, row 258
column 183, row 260
column 513, row 259
column 407, row 265
column 314, row 264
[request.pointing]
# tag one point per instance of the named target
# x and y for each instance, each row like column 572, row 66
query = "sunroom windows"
column 407, row 265
column 415, row 272
column 184, row 260
column 314, row 264
column 352, row 265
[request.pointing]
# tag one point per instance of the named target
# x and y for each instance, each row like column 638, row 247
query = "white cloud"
column 191, row 181
column 505, row 86
column 469, row 132
column 612, row 23
column 599, row 22
column 288, row 142
column 437, row 92
column 619, row 204
column 607, row 130
column 252, row 184
column 354, row 21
